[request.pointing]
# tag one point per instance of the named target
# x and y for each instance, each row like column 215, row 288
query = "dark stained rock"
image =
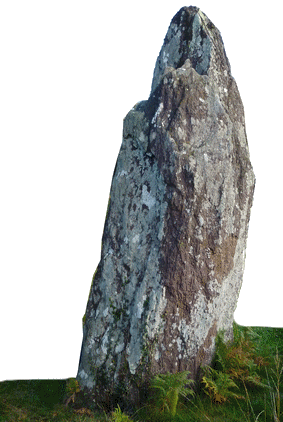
column 173, row 248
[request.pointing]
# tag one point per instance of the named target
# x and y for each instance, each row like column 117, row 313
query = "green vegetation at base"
column 42, row 400
column 244, row 383
column 167, row 390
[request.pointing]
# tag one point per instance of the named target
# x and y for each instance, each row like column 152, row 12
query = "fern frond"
column 168, row 387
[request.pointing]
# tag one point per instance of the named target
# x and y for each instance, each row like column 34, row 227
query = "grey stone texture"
column 173, row 248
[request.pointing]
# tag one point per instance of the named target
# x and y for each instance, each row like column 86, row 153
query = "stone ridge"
column 173, row 246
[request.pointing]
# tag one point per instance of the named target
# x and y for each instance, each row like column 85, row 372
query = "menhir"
column 174, row 241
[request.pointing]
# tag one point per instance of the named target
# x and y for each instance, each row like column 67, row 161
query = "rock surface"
column 174, row 241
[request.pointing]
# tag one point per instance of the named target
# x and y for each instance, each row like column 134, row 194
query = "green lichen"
column 108, row 206
column 125, row 282
column 93, row 277
column 116, row 312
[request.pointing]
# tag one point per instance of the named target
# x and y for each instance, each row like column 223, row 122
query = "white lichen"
column 147, row 198
column 119, row 348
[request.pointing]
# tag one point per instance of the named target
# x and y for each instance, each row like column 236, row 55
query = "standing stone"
column 174, row 241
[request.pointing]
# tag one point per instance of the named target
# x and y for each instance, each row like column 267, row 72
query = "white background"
column 69, row 73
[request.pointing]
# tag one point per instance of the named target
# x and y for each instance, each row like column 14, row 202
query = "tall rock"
column 174, row 241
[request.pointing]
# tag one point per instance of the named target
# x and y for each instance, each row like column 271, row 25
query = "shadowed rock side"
column 174, row 241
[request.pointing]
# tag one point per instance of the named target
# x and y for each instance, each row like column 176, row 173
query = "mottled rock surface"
column 174, row 241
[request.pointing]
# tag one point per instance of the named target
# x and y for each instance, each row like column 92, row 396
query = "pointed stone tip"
column 191, row 10
column 190, row 36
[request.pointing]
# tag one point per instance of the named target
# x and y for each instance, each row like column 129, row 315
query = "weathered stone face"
column 174, row 241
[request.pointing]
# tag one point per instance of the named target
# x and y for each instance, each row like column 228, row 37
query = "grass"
column 254, row 362
column 41, row 400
